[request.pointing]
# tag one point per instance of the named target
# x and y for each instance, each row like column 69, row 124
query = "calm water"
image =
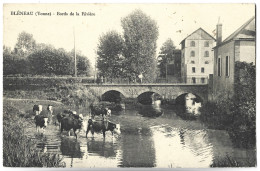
column 149, row 138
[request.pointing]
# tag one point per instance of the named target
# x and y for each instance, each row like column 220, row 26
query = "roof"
column 195, row 32
column 238, row 31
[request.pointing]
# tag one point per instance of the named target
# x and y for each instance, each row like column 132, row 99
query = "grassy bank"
column 228, row 161
column 18, row 149
column 74, row 96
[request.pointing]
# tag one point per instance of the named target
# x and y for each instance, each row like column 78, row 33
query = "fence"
column 91, row 80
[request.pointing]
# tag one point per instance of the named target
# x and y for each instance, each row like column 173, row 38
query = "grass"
column 228, row 161
column 18, row 149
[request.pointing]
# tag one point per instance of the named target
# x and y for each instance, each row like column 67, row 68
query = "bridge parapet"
column 167, row 90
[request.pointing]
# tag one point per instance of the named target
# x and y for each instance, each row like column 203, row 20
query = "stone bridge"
column 168, row 91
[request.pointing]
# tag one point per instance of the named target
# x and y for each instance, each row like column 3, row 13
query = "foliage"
column 237, row 114
column 140, row 34
column 83, row 66
column 43, row 59
column 48, row 61
column 228, row 161
column 25, row 44
column 13, row 64
column 110, row 59
column 18, row 150
column 166, row 54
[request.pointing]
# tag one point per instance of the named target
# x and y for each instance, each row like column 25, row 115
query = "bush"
column 228, row 161
column 237, row 114
column 18, row 150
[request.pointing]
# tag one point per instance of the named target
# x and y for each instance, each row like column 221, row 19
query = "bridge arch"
column 112, row 96
column 148, row 97
column 182, row 95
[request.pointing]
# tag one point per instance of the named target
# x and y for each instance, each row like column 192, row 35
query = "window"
column 219, row 66
column 206, row 62
column 193, row 80
column 192, row 62
column 192, row 53
column 192, row 44
column 202, row 80
column 202, row 70
column 206, row 53
column 227, row 65
column 193, row 70
column 206, row 44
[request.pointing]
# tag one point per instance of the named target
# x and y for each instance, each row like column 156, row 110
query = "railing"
column 89, row 80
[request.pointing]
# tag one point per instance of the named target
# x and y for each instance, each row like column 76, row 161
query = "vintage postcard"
column 129, row 85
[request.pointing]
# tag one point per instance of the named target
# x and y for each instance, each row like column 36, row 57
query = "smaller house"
column 239, row 46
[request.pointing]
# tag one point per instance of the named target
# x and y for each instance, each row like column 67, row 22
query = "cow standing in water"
column 37, row 109
column 41, row 121
column 102, row 126
column 99, row 110
column 72, row 122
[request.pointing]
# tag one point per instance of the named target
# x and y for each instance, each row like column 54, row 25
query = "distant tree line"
column 131, row 54
column 30, row 58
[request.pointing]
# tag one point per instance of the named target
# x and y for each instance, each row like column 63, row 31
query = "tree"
column 83, row 65
column 13, row 64
column 140, row 34
column 25, row 44
column 50, row 61
column 109, row 51
column 166, row 53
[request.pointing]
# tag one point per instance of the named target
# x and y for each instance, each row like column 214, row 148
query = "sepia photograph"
column 130, row 85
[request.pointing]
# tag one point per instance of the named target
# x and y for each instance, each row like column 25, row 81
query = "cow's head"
column 45, row 122
column 117, row 129
column 40, row 108
column 108, row 111
column 50, row 108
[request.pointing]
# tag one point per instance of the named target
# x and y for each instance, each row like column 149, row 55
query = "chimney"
column 219, row 32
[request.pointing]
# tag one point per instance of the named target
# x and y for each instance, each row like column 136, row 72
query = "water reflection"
column 184, row 148
column 102, row 148
column 152, row 111
column 70, row 147
column 137, row 148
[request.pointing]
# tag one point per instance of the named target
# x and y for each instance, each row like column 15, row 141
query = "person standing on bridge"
column 140, row 76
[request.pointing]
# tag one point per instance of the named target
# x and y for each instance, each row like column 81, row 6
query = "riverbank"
column 18, row 114
column 18, row 149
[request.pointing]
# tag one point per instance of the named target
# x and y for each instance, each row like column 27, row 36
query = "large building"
column 197, row 57
column 239, row 46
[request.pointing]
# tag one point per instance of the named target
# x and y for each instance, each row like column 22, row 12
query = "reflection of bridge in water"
column 167, row 91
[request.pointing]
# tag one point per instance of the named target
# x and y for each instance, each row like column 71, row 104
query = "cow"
column 50, row 108
column 50, row 112
column 68, row 123
column 66, row 113
column 99, row 110
column 41, row 121
column 102, row 126
column 37, row 109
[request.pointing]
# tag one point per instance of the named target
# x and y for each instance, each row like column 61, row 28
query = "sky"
column 174, row 21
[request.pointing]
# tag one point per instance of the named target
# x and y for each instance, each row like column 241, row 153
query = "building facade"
column 197, row 57
column 239, row 46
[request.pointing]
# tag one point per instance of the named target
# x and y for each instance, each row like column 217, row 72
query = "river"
column 149, row 138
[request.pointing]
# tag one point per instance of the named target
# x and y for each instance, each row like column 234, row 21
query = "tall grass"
column 18, row 149
column 228, row 161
